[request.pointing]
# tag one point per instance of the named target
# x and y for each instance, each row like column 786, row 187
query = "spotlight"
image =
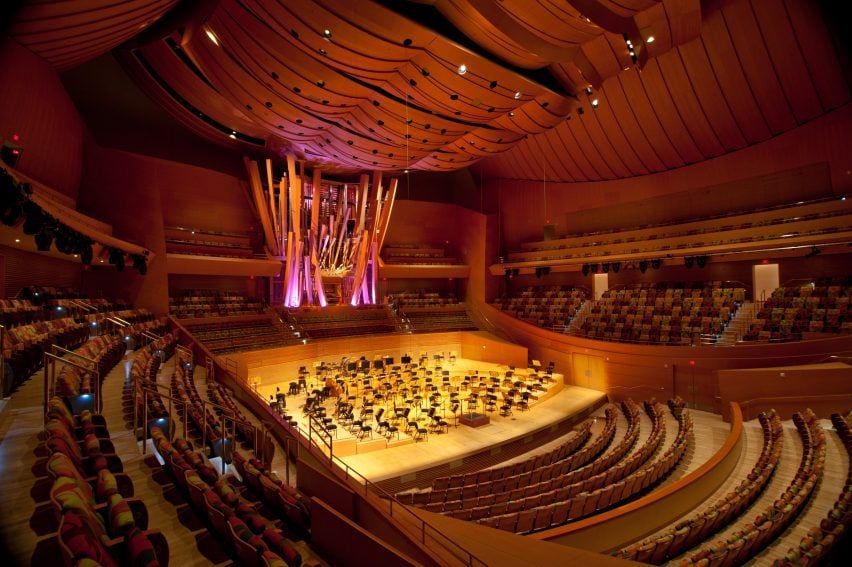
column 516, row 272
column 656, row 263
column 616, row 267
column 140, row 264
column 86, row 254
column 585, row 269
column 688, row 261
column 116, row 258
column 538, row 272
column 701, row 261
column 643, row 266
column 545, row 270
column 814, row 252
column 593, row 268
column 44, row 239
column 605, row 267
column 35, row 218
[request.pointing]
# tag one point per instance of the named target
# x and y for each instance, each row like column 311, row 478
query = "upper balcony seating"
column 799, row 223
column 208, row 243
column 236, row 336
column 416, row 254
column 213, row 303
column 822, row 307
column 661, row 313
column 342, row 321
column 551, row 307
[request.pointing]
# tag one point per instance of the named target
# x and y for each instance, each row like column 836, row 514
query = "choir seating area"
column 825, row 220
column 200, row 303
column 551, row 307
column 663, row 313
column 416, row 254
column 198, row 242
column 237, row 335
column 421, row 298
column 341, row 321
column 821, row 306
column 437, row 319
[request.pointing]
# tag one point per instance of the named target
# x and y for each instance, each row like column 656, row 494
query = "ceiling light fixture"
column 650, row 39
column 462, row 69
column 212, row 36
column 594, row 103
column 326, row 34
column 517, row 95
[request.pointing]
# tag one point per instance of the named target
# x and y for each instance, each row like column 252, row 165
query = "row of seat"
column 99, row 521
column 538, row 462
column 815, row 546
column 437, row 319
column 24, row 346
column 751, row 537
column 561, row 479
column 252, row 539
column 104, row 352
column 699, row 527
column 235, row 336
column 553, row 513
column 421, row 298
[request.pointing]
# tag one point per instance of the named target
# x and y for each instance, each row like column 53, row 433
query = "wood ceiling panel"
column 787, row 59
column 608, row 126
column 600, row 139
column 614, row 98
column 653, row 128
column 702, row 78
column 752, row 54
column 814, row 40
column 722, row 54
column 67, row 34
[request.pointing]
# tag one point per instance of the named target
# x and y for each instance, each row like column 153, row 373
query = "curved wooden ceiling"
column 357, row 86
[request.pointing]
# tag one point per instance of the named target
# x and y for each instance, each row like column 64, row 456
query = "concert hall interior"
column 425, row 282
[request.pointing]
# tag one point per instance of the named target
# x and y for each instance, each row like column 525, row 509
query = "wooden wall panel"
column 822, row 140
column 26, row 268
column 37, row 108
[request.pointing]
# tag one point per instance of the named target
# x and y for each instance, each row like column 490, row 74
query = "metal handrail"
column 57, row 350
column 50, row 361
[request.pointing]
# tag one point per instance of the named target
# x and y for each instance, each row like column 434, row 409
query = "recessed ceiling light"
column 462, row 69
column 326, row 33
column 322, row 51
column 511, row 114
column 232, row 136
column 517, row 95
column 212, row 36
column 17, row 240
column 588, row 90
column 595, row 103
column 650, row 39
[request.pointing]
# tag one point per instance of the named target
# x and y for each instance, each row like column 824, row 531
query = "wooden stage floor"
column 400, row 462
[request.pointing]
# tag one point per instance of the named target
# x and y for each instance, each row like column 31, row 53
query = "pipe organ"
column 326, row 233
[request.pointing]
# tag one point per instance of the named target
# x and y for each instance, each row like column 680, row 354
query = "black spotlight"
column 605, row 267
column 585, row 269
column 140, row 264
column 593, row 268
column 64, row 239
column 86, row 253
column 116, row 258
column 545, row 271
column 656, row 263
column 701, row 261
column 643, row 266
column 688, row 261
column 44, row 239
column 35, row 218
column 516, row 272
column 616, row 267
column 538, row 272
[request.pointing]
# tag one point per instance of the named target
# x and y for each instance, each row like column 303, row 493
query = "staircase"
column 738, row 325
column 579, row 317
